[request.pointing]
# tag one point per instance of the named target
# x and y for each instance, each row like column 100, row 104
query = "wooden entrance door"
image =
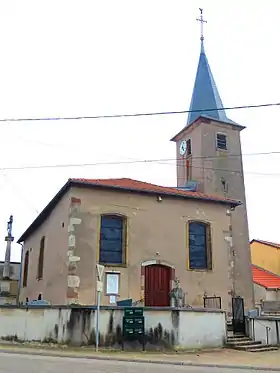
column 157, row 285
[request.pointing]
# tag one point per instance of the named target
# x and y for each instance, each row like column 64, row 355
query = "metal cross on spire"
column 202, row 21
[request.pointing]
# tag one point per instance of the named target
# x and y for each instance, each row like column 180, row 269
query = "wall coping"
column 165, row 309
column 267, row 318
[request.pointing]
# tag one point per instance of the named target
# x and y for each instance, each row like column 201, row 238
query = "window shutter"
column 221, row 141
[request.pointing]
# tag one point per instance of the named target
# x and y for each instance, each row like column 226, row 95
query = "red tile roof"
column 128, row 185
column 277, row 245
column 265, row 278
column 141, row 186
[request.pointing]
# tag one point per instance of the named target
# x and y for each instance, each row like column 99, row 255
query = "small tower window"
column 221, row 141
column 189, row 147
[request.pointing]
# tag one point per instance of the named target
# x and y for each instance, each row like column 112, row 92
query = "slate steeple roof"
column 205, row 94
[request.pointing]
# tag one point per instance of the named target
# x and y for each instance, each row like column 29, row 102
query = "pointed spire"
column 205, row 93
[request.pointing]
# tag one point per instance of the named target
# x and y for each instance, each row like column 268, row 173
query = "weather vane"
column 202, row 21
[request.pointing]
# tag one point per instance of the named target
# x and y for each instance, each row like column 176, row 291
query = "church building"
column 152, row 240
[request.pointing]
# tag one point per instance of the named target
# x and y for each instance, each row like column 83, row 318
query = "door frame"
column 238, row 315
column 155, row 262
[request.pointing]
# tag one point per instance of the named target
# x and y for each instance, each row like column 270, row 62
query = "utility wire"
column 145, row 161
column 227, row 170
column 130, row 161
column 18, row 193
column 135, row 114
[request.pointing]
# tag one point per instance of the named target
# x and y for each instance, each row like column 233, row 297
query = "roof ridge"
column 264, row 278
column 266, row 271
column 125, row 185
column 268, row 243
column 178, row 191
column 105, row 179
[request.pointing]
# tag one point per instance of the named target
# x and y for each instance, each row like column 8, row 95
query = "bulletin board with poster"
column 112, row 286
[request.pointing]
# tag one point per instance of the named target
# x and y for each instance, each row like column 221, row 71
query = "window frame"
column 226, row 139
column 189, row 140
column 209, row 251
column 124, row 240
column 189, row 168
column 25, row 269
column 41, row 257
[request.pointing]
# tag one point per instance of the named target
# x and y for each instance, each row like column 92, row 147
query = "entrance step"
column 229, row 326
column 264, row 348
column 237, row 337
column 243, row 343
column 256, row 347
column 240, row 342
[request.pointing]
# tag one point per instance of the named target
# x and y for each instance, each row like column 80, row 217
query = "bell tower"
column 209, row 160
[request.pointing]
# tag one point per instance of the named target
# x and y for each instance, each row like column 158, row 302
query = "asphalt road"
column 16, row 363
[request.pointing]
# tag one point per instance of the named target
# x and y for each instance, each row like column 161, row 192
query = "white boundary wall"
column 178, row 328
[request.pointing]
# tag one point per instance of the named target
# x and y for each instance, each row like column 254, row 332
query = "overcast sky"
column 89, row 57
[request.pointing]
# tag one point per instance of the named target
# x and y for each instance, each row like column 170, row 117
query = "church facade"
column 149, row 238
column 152, row 239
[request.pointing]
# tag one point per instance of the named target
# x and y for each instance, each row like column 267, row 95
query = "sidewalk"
column 219, row 358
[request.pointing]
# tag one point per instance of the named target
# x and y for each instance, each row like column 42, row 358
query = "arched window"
column 40, row 268
column 112, row 243
column 199, row 242
column 25, row 269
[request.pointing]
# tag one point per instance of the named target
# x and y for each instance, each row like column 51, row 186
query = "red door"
column 157, row 286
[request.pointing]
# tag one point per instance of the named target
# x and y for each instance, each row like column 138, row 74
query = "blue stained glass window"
column 198, row 245
column 112, row 239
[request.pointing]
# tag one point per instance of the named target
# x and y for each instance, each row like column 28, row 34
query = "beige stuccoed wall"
column 53, row 286
column 260, row 294
column 186, row 329
column 209, row 167
column 152, row 227
column 195, row 134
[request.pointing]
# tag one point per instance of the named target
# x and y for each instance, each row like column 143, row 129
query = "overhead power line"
column 18, row 192
column 135, row 114
column 145, row 161
column 231, row 171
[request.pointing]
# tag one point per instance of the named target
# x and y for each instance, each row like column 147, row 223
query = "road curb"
column 136, row 360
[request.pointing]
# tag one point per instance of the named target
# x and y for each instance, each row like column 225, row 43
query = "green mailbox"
column 134, row 325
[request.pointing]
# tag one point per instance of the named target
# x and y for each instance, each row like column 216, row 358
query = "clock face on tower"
column 183, row 147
